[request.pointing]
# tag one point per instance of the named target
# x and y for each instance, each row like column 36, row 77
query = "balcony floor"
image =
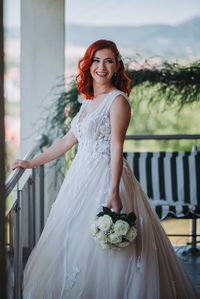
column 191, row 263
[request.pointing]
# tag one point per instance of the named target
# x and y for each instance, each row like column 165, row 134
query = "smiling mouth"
column 101, row 74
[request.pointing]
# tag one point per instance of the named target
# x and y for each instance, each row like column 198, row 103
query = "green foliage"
column 57, row 122
column 158, row 118
column 171, row 85
column 61, row 112
column 178, row 85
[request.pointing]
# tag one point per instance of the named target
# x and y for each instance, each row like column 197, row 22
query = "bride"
column 67, row 262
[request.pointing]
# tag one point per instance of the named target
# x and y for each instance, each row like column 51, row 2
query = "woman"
column 67, row 262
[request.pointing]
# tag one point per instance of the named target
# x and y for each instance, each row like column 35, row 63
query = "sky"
column 116, row 12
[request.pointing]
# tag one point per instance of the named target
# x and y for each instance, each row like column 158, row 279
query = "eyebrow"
column 104, row 58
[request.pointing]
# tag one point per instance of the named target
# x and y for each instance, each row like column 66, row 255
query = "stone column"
column 42, row 61
column 2, row 164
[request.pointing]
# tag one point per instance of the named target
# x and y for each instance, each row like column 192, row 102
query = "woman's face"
column 103, row 66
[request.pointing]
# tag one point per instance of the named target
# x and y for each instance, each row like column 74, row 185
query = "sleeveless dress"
column 67, row 262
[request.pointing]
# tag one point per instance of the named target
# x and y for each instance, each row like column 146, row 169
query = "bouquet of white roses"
column 113, row 230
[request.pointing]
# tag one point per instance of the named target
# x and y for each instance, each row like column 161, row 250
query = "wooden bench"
column 171, row 181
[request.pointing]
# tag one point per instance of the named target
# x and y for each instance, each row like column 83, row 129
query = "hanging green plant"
column 62, row 110
column 58, row 121
column 177, row 84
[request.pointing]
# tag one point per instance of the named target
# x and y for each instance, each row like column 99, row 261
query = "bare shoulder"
column 120, row 104
column 120, row 114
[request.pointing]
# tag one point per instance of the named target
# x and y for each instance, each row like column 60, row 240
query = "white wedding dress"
column 68, row 263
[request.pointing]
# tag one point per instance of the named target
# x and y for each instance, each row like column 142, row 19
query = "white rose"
column 101, row 237
column 104, row 223
column 132, row 233
column 114, row 238
column 123, row 244
column 93, row 227
column 121, row 227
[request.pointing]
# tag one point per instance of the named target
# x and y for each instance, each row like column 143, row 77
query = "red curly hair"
column 84, row 79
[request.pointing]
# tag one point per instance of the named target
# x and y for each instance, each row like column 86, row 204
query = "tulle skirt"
column 68, row 263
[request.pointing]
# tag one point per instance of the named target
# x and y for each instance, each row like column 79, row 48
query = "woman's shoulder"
column 119, row 98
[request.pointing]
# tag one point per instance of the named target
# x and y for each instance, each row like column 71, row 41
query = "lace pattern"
column 93, row 130
column 71, row 279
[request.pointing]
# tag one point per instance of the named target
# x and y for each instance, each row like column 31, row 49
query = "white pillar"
column 42, row 61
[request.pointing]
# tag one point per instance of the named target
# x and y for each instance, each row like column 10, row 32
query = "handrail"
column 162, row 136
column 17, row 173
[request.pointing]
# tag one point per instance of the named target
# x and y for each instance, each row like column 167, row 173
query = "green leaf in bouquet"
column 100, row 214
column 115, row 217
column 107, row 211
column 131, row 218
column 123, row 216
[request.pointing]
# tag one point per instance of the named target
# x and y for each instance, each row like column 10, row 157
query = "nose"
column 101, row 65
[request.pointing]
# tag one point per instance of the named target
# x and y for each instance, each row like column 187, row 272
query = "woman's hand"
column 114, row 202
column 21, row 164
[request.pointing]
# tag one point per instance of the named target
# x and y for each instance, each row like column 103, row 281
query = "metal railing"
column 162, row 136
column 194, row 137
column 25, row 199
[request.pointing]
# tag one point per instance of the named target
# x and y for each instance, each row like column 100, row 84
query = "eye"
column 109, row 60
column 95, row 60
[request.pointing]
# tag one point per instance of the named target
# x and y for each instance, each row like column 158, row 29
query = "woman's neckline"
column 103, row 93
column 98, row 107
column 104, row 99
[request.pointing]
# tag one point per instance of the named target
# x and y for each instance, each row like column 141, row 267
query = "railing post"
column 41, row 198
column 194, row 235
column 31, row 209
column 18, row 247
column 193, row 248
column 11, row 237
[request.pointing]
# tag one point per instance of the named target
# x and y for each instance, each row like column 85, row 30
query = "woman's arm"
column 120, row 113
column 56, row 150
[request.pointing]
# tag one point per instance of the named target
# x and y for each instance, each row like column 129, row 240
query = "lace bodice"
column 93, row 131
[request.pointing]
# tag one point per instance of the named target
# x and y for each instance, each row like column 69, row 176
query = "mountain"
column 171, row 42
column 178, row 41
